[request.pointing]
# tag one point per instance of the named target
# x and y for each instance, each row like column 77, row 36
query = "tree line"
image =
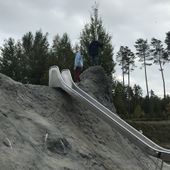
column 131, row 104
column 147, row 54
column 129, row 101
column 28, row 60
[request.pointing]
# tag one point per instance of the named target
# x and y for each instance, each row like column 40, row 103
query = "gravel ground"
column 43, row 128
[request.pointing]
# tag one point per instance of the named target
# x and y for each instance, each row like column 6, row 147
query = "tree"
column 167, row 41
column 36, row 53
column 28, row 57
column 137, row 97
column 138, row 112
column 126, row 59
column 120, row 98
column 159, row 57
column 20, row 71
column 155, row 105
column 26, row 60
column 63, row 52
column 120, row 58
column 92, row 31
column 137, row 90
column 167, row 111
column 10, row 61
column 129, row 62
column 142, row 49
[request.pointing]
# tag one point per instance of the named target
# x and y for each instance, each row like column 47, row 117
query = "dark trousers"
column 94, row 60
column 77, row 72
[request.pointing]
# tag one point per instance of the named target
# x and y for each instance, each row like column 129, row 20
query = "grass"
column 158, row 131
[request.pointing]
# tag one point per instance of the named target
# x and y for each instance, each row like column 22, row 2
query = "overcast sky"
column 125, row 20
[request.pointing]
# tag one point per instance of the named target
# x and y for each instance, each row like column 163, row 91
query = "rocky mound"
column 43, row 128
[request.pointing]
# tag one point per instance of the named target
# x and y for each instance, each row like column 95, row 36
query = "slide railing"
column 64, row 81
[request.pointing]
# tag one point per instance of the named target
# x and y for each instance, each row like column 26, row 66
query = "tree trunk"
column 129, row 89
column 129, row 78
column 123, row 75
column 163, row 79
column 146, row 79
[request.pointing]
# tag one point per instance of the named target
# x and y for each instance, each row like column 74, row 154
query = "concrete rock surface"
column 43, row 128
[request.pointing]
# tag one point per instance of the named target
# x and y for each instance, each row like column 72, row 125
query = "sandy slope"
column 45, row 129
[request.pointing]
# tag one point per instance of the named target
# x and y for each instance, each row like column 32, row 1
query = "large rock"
column 43, row 128
column 95, row 82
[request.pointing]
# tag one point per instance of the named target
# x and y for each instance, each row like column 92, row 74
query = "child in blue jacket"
column 78, row 66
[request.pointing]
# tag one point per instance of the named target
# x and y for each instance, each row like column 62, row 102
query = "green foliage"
column 95, row 31
column 140, row 107
column 119, row 98
column 26, row 61
column 10, row 62
column 138, row 112
column 27, row 48
column 29, row 59
column 157, row 51
column 160, row 57
column 154, row 105
column 128, row 59
column 62, row 52
column 167, row 41
column 143, row 52
column 142, row 48
column 36, row 51
column 121, row 59
column 137, row 92
column 156, row 131
column 167, row 111
column 136, row 97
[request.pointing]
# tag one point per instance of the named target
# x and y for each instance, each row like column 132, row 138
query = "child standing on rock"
column 78, row 66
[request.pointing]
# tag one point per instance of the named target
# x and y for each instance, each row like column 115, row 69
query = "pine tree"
column 142, row 49
column 40, row 50
column 20, row 70
column 120, row 98
column 126, row 59
column 120, row 58
column 62, row 52
column 36, row 53
column 129, row 66
column 137, row 90
column 159, row 57
column 95, row 31
column 167, row 41
column 137, row 97
column 138, row 112
column 28, row 57
column 53, row 55
column 129, row 62
column 9, row 63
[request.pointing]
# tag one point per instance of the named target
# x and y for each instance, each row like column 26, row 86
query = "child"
column 78, row 65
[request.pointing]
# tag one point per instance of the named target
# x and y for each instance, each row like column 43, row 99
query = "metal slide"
column 64, row 81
